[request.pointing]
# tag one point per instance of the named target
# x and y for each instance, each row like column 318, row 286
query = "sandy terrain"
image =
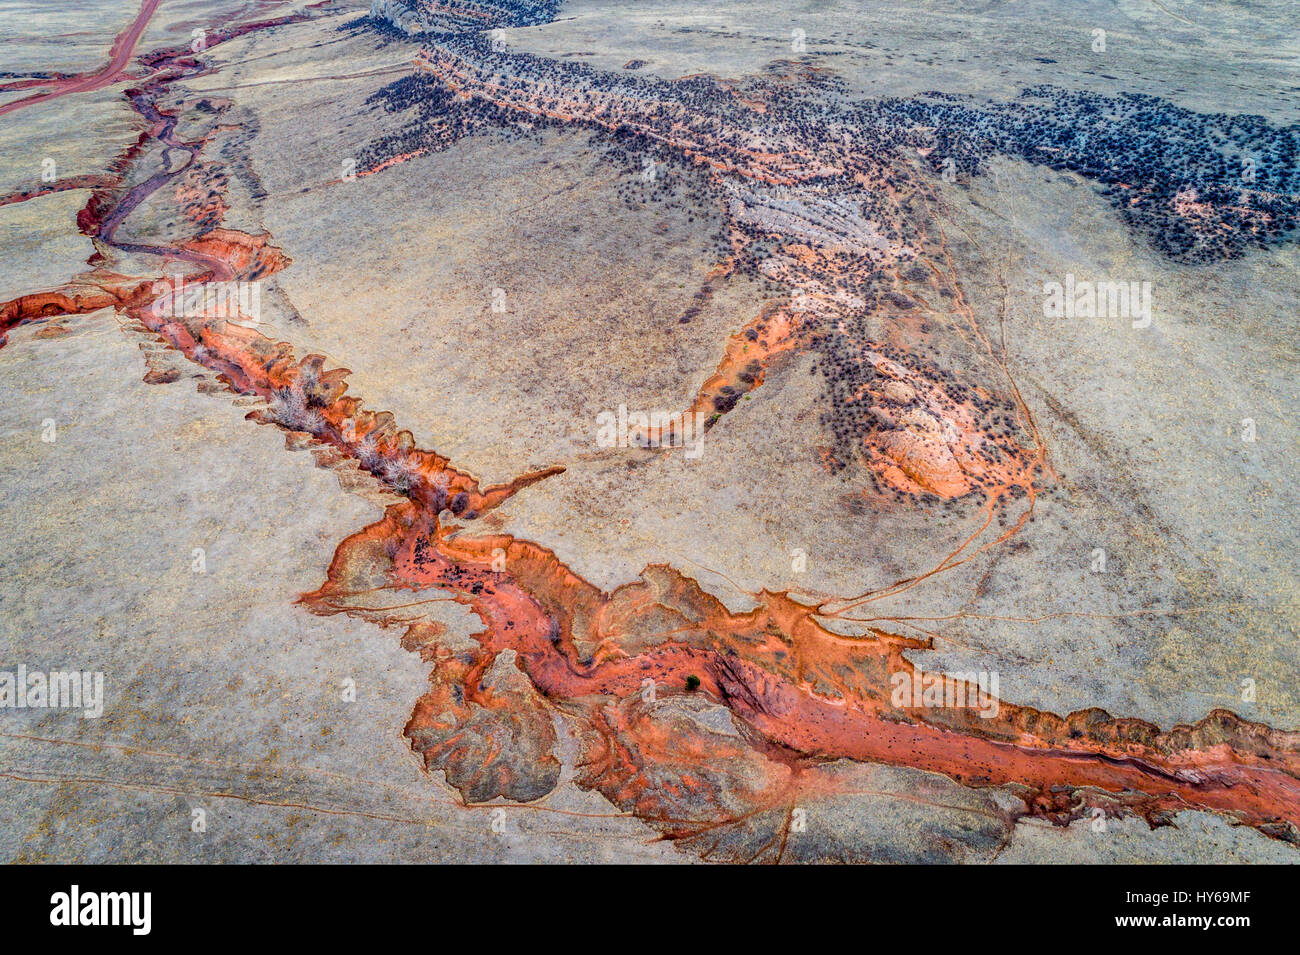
column 495, row 586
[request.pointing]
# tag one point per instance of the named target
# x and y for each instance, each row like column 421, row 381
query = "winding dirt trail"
column 111, row 72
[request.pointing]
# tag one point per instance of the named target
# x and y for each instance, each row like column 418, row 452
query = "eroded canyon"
column 951, row 578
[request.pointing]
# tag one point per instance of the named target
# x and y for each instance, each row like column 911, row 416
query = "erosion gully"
column 802, row 694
